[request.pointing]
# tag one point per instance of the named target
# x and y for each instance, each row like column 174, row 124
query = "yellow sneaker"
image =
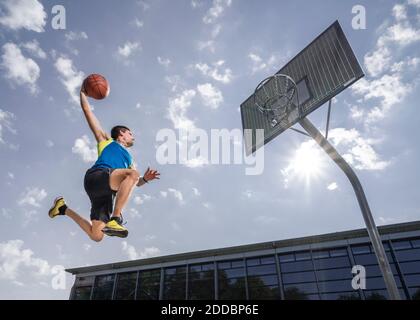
column 58, row 208
column 114, row 228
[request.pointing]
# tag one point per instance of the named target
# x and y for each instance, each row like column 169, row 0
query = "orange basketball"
column 96, row 86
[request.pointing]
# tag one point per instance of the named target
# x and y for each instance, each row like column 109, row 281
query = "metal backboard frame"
column 321, row 71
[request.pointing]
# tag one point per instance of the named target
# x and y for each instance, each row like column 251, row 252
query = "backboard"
column 322, row 70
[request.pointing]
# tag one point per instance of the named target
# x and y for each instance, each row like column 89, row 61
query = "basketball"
column 96, row 86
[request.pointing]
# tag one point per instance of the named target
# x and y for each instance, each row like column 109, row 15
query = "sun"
column 306, row 163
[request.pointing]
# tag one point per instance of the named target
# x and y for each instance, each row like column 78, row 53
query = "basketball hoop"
column 275, row 98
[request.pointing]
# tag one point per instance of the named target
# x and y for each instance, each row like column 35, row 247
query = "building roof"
column 343, row 235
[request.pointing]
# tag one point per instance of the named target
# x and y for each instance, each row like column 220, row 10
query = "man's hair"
column 115, row 132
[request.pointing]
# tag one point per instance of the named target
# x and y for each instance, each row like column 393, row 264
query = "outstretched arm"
column 98, row 132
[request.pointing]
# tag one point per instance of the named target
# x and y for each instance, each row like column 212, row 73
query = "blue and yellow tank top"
column 113, row 155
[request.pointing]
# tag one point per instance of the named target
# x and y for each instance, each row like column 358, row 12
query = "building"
column 315, row 267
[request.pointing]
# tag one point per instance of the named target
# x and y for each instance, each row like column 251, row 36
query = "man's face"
column 127, row 138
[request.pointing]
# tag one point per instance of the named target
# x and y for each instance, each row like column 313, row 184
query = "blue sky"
column 174, row 64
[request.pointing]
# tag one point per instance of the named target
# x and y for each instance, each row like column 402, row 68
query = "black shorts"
column 100, row 194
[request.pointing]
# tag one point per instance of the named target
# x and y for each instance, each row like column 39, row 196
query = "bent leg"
column 123, row 182
column 93, row 230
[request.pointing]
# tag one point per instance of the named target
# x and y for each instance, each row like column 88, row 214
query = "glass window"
column 367, row 259
column 237, row 272
column 231, row 282
column 287, row 257
column 373, row 270
column 334, row 274
column 299, row 291
column 175, row 283
column 148, row 285
column 410, row 267
column 260, row 270
column 379, row 283
column 408, row 255
column 338, row 252
column 354, row 295
column 360, row 249
column 414, row 293
column 238, row 263
column 103, row 287
column 376, row 295
column 82, row 293
column 415, row 243
column 306, row 255
column 263, row 280
column 402, row 244
column 126, row 286
column 223, row 265
column 253, row 262
column 264, row 293
column 413, row 280
column 201, row 282
column 297, row 266
column 335, row 286
column 320, row 254
column 329, row 263
column 268, row 260
column 298, row 277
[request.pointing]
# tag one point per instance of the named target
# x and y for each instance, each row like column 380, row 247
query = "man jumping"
column 112, row 176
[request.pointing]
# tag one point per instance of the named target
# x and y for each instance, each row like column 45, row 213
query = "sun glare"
column 307, row 162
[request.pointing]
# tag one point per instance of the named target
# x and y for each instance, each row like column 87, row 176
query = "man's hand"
column 150, row 175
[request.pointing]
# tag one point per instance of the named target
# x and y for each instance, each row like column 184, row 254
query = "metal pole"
column 364, row 206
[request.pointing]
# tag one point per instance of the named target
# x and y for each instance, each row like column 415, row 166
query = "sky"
column 190, row 64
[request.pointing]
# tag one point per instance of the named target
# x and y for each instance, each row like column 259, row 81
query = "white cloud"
column 34, row 48
column 134, row 213
column 144, row 5
column 164, row 62
column 138, row 23
column 87, row 247
column 132, row 253
column 332, row 186
column 224, row 76
column 216, row 31
column 6, row 118
column 401, row 34
column 196, row 162
column 11, row 175
column 259, row 64
column 196, row 192
column 141, row 199
column 19, row 69
column 389, row 89
column 27, row 14
column 32, row 197
column 70, row 77
column 49, row 143
column 358, row 151
column 85, row 148
column 414, row 3
column 174, row 81
column 177, row 110
column 177, row 194
column 72, row 36
column 164, row 194
column 356, row 113
column 216, row 10
column 378, row 61
column 210, row 45
column 399, row 11
column 16, row 261
column 211, row 96
column 196, row 3
column 128, row 49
